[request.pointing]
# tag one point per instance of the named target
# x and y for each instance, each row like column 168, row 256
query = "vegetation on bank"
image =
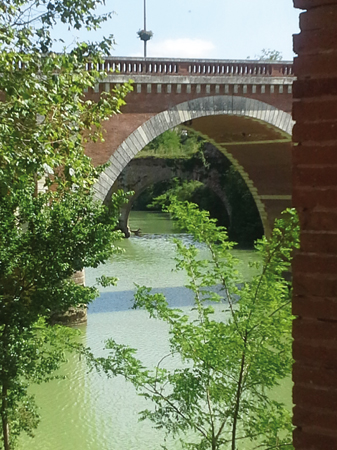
column 50, row 225
column 176, row 143
column 218, row 397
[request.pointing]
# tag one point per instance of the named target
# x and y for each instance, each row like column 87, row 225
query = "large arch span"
column 257, row 141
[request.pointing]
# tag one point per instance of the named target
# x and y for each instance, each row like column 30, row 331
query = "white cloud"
column 181, row 48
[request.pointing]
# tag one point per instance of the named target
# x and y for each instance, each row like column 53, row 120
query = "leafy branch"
column 230, row 362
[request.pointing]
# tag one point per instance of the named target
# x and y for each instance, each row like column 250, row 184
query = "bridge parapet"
column 197, row 76
column 196, row 67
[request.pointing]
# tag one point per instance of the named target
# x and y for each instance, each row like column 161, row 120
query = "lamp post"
column 144, row 14
column 145, row 35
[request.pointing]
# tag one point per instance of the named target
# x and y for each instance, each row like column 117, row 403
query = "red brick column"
column 315, row 197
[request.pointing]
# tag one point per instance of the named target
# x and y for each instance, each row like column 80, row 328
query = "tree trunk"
column 214, row 443
column 5, row 424
column 238, row 399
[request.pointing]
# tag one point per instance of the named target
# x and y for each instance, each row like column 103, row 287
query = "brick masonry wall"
column 315, row 197
column 147, row 99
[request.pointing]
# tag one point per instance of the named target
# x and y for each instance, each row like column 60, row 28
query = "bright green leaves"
column 45, row 118
column 234, row 345
column 39, row 351
column 41, row 246
column 105, row 281
column 50, row 224
column 28, row 24
column 173, row 144
column 45, row 115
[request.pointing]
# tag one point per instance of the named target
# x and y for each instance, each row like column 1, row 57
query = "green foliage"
column 27, row 24
column 39, row 351
column 192, row 191
column 244, row 225
column 105, row 281
column 174, row 143
column 50, row 225
column 43, row 118
column 41, row 246
column 269, row 55
column 183, row 191
column 220, row 393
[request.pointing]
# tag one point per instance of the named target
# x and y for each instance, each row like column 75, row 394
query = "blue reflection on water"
column 177, row 297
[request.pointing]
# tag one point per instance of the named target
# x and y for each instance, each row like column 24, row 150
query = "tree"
column 181, row 189
column 39, row 351
column 269, row 55
column 50, row 224
column 173, row 143
column 229, row 361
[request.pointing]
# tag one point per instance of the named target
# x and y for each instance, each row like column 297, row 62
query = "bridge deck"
column 196, row 67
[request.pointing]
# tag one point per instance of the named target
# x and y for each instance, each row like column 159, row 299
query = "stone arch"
column 144, row 172
column 187, row 111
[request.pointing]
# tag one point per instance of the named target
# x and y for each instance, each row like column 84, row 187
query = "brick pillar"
column 315, row 197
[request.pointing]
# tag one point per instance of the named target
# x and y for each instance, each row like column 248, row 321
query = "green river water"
column 87, row 411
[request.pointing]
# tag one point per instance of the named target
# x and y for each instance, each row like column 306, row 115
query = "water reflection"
column 89, row 412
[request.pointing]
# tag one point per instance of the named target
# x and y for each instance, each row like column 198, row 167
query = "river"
column 87, row 411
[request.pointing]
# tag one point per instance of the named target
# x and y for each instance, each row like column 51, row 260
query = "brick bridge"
column 241, row 107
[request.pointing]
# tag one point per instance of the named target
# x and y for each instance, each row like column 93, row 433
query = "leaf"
column 105, row 281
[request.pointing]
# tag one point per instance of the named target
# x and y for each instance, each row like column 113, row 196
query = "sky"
column 215, row 29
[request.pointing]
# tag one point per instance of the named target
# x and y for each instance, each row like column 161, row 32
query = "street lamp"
column 145, row 35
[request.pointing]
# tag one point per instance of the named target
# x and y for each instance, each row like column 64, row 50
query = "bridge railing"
column 159, row 66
